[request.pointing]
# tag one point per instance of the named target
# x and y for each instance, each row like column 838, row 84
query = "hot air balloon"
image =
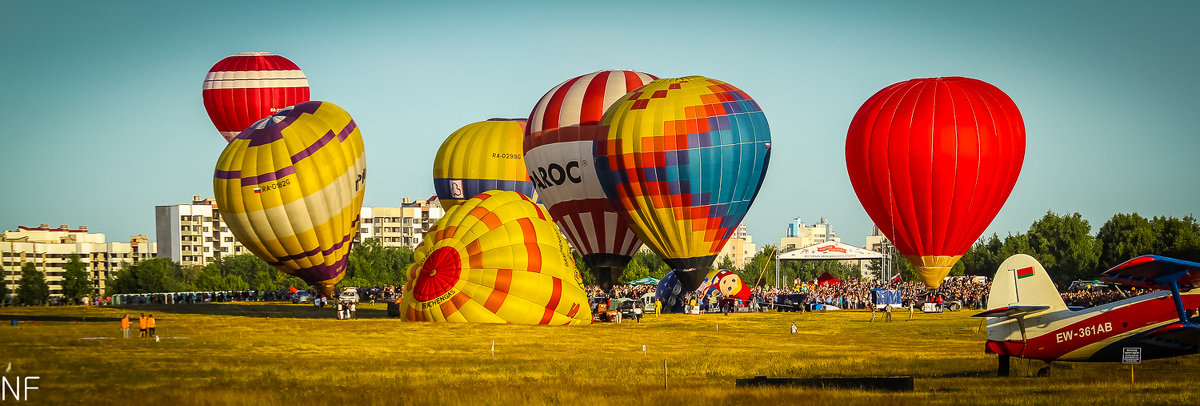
column 683, row 160
column 480, row 157
column 559, row 149
column 670, row 293
column 496, row 258
column 248, row 86
column 290, row 188
column 726, row 284
column 932, row 161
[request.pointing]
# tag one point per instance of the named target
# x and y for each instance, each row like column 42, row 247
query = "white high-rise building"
column 403, row 226
column 740, row 248
column 49, row 249
column 800, row 235
column 194, row 234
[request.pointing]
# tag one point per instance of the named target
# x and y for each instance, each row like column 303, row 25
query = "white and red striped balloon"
column 559, row 142
column 248, row 86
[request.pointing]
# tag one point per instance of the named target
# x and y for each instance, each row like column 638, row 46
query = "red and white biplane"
column 1027, row 318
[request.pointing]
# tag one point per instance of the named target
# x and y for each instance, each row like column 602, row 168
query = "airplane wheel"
column 1044, row 372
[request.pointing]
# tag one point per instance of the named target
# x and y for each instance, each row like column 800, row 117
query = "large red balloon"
column 248, row 86
column 932, row 161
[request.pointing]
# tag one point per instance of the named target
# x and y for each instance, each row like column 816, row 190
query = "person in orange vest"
column 150, row 326
column 125, row 325
column 142, row 325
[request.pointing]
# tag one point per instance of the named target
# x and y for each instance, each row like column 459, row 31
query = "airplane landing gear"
column 1002, row 367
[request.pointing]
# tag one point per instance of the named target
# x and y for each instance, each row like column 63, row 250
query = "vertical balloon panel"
column 559, row 154
column 933, row 161
column 291, row 187
column 683, row 161
column 479, row 157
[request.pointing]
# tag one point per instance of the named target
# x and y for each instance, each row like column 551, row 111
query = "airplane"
column 1027, row 318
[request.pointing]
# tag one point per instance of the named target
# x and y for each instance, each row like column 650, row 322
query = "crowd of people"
column 1093, row 297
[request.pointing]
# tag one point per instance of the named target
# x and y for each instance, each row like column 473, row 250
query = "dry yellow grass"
column 252, row 353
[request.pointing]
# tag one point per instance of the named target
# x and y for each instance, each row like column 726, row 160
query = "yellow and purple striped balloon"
column 496, row 258
column 291, row 186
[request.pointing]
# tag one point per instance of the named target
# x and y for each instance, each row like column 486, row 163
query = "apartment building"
column 49, row 249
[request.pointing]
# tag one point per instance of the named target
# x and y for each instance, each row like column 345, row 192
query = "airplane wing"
column 1155, row 272
column 1175, row 336
column 1010, row 311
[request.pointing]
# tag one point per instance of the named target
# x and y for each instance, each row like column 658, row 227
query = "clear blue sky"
column 103, row 120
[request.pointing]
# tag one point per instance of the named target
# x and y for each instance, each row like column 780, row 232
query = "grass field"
column 273, row 353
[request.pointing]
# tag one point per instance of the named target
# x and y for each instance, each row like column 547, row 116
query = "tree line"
column 1064, row 244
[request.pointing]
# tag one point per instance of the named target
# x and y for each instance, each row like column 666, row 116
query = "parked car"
column 793, row 302
column 349, row 295
column 297, row 298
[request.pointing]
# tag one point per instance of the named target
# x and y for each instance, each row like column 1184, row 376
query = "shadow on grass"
column 33, row 317
column 258, row 309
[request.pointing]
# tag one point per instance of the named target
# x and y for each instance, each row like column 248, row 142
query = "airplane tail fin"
column 1022, row 282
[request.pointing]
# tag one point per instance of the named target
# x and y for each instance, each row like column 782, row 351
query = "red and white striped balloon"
column 559, row 142
column 248, row 86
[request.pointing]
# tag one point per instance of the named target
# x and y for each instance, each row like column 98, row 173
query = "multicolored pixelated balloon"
column 932, row 161
column 496, row 258
column 559, row 155
column 480, row 157
column 290, row 188
column 248, row 86
column 683, row 161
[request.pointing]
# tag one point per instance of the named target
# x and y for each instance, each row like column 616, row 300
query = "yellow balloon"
column 290, row 188
column 496, row 258
column 479, row 157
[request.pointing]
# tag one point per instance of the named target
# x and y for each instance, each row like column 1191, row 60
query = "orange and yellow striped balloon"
column 496, row 258
column 291, row 186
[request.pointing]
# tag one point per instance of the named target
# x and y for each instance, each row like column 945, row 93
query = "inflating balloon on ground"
column 682, row 163
column 496, row 258
column 290, row 188
column 559, row 151
column 932, row 161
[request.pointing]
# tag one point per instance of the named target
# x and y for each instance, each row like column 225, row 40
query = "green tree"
column 1125, row 236
column 1065, row 247
column 654, row 264
column 150, row 276
column 32, row 289
column 373, row 264
column 634, row 271
column 726, row 263
column 1177, row 238
column 3, row 289
column 982, row 258
column 763, row 262
column 76, row 283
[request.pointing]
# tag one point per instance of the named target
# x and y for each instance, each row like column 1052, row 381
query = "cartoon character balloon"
column 496, row 258
column 683, row 161
column 248, row 86
column 932, row 161
column 559, row 151
column 290, row 188
column 725, row 284
column 480, row 157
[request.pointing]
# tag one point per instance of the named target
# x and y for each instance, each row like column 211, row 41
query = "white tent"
column 830, row 250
